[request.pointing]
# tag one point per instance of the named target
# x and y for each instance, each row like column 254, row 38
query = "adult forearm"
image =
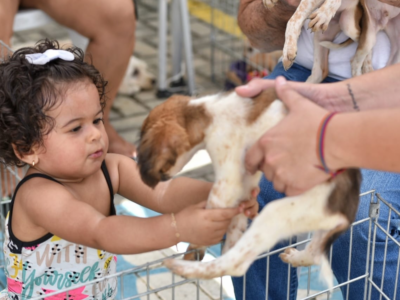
column 368, row 139
column 265, row 28
column 376, row 90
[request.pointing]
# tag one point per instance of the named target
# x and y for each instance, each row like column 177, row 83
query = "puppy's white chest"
column 231, row 128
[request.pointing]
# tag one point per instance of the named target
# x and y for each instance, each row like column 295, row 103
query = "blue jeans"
column 386, row 184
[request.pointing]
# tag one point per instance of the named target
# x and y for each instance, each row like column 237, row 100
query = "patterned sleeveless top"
column 49, row 264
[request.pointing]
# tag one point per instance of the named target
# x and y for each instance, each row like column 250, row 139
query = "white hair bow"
column 48, row 55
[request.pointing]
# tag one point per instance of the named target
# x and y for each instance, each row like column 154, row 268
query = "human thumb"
column 254, row 87
column 285, row 93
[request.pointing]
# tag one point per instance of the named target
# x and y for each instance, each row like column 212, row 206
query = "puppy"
column 226, row 125
column 137, row 77
column 377, row 16
column 327, row 19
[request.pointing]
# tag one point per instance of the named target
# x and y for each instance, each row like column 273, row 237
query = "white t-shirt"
column 339, row 59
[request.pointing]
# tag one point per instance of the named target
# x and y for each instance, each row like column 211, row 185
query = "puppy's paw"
column 367, row 66
column 195, row 255
column 175, row 265
column 356, row 66
column 191, row 269
column 289, row 255
column 320, row 19
column 297, row 258
column 288, row 57
column 269, row 4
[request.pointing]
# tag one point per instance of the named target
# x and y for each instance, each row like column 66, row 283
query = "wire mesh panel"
column 371, row 268
column 5, row 50
column 220, row 51
column 374, row 277
column 232, row 60
column 9, row 178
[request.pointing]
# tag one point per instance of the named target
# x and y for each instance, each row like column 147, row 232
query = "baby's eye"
column 76, row 129
column 98, row 120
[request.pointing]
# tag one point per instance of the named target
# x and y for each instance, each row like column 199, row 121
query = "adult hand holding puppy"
column 362, row 137
column 287, row 153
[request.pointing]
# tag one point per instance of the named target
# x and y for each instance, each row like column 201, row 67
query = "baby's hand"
column 201, row 226
column 250, row 207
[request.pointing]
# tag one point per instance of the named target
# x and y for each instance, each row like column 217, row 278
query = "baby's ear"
column 28, row 158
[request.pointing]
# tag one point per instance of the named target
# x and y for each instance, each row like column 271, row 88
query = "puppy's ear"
column 158, row 152
column 168, row 133
column 196, row 120
column 149, row 154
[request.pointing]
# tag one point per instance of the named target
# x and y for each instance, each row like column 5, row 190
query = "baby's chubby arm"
column 167, row 197
column 51, row 207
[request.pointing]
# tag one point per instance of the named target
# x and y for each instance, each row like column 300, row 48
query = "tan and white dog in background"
column 227, row 125
column 137, row 77
column 360, row 20
column 377, row 17
column 327, row 19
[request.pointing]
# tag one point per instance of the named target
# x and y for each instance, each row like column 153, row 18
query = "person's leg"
column 110, row 27
column 8, row 9
column 278, row 271
column 388, row 186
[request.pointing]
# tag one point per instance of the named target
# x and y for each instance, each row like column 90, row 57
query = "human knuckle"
column 280, row 173
column 265, row 140
column 270, row 160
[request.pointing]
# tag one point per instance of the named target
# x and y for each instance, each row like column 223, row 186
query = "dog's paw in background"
column 289, row 54
column 137, row 78
column 269, row 3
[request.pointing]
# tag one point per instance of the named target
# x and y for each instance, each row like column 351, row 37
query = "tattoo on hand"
column 353, row 99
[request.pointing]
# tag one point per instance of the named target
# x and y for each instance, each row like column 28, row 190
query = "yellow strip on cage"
column 214, row 16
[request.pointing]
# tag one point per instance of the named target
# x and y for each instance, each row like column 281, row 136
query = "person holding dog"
column 354, row 139
column 266, row 31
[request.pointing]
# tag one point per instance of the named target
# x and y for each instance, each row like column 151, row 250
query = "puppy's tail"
column 333, row 46
column 326, row 272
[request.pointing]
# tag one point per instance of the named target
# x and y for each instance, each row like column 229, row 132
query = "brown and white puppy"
column 327, row 19
column 226, row 125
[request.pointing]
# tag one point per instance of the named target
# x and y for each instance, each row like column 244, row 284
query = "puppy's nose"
column 153, row 81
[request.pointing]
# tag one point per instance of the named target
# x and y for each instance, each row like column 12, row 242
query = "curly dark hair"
column 28, row 91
